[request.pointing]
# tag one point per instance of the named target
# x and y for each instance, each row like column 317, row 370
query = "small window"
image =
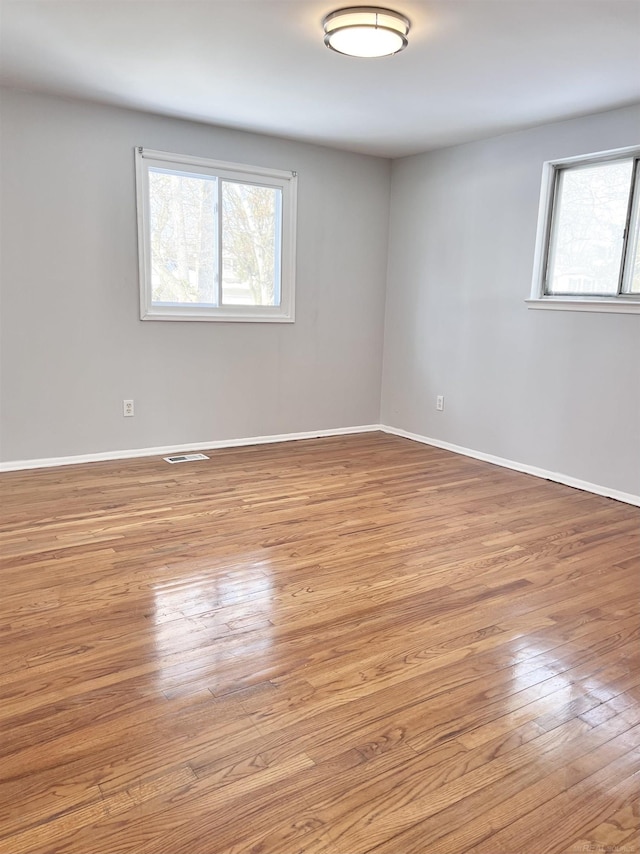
column 216, row 240
column 587, row 252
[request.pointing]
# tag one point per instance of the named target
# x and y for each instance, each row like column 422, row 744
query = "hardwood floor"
column 335, row 646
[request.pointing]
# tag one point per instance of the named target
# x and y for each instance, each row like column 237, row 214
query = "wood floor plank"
column 336, row 646
column 618, row 833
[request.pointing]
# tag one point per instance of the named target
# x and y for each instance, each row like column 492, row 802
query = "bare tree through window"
column 588, row 229
column 183, row 238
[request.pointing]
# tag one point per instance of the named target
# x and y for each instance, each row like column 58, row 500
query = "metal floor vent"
column 185, row 458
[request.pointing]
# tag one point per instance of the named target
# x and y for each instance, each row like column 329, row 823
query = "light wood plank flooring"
column 335, row 646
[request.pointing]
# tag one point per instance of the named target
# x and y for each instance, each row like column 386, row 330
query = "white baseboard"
column 627, row 497
column 165, row 450
column 48, row 462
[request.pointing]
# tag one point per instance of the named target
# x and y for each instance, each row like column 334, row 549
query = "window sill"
column 611, row 306
column 265, row 316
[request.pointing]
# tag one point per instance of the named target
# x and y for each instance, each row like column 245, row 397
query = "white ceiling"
column 473, row 68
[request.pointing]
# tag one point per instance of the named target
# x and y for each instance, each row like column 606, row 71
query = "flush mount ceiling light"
column 366, row 31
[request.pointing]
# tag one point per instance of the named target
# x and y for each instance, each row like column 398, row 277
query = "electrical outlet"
column 440, row 402
column 127, row 408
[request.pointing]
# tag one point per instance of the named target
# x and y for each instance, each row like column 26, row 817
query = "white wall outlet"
column 440, row 402
column 127, row 408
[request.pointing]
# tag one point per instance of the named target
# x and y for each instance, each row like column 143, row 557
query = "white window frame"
column 275, row 178
column 621, row 303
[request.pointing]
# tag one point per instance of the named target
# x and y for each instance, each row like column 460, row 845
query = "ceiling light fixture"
column 366, row 31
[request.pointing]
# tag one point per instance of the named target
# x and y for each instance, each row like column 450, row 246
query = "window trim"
column 622, row 303
column 286, row 181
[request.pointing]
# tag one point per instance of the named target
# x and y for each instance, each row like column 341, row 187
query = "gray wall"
column 556, row 390
column 72, row 344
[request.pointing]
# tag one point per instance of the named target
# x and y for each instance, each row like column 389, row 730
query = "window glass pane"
column 183, row 238
column 585, row 251
column 251, row 227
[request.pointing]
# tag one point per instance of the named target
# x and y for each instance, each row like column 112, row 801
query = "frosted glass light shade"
column 366, row 31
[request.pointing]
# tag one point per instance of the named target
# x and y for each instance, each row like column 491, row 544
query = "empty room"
column 319, row 427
